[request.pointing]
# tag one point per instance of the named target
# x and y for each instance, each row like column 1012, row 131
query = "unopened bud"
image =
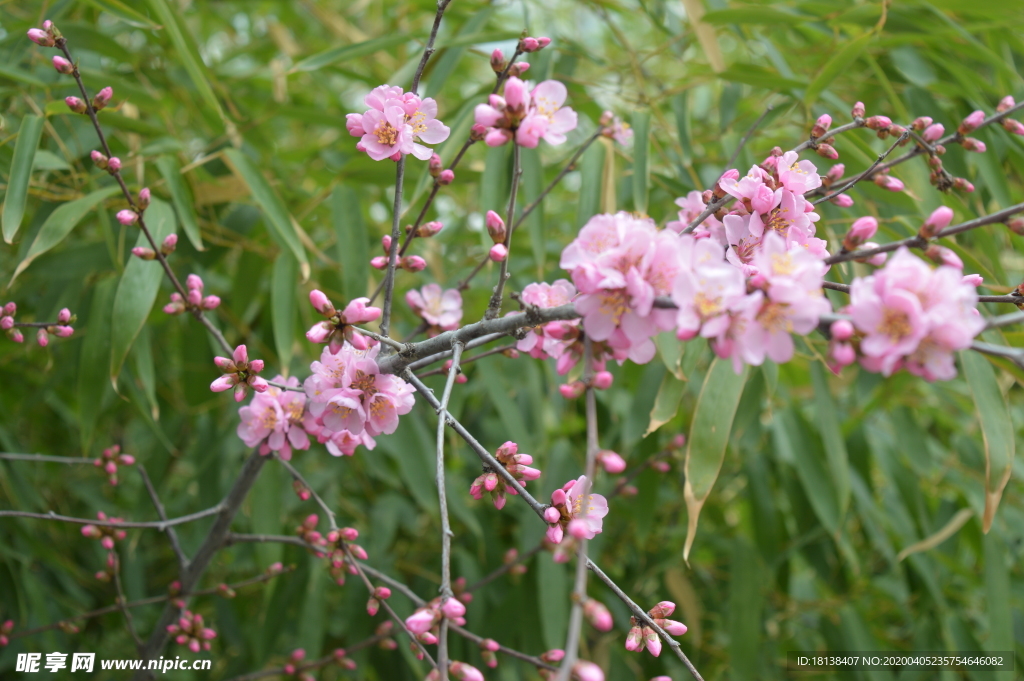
column 429, row 229
column 446, row 177
column 921, row 123
column 972, row 121
column 76, row 105
column 40, row 37
column 43, row 338
column 412, row 263
column 99, row 159
column 102, row 98
column 861, row 230
column 1005, row 103
column 963, row 185
column 858, row 110
column 62, row 65
column 971, row 144
column 498, row 253
column 170, row 243
column 821, row 126
column 127, row 217
column 495, row 227
column 933, row 132
column 1013, row 126
column 144, row 198
column 64, row 316
column 497, row 61
column 878, row 122
column 1016, row 225
column 936, row 222
column 827, row 151
column 144, row 253
column 114, row 165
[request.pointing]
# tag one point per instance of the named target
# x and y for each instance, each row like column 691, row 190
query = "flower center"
column 773, row 317
column 894, row 324
column 386, row 134
column 365, row 382
column 614, row 304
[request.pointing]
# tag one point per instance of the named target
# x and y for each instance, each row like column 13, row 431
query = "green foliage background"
column 824, row 481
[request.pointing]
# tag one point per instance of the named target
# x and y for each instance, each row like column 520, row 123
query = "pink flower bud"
column 963, row 185
column 495, row 227
column 529, row 44
column 521, row 67
column 587, row 671
column 413, row 263
column 17, row 337
column 1013, row 126
column 430, row 229
column 64, row 316
column 385, row 242
column 434, row 165
column 126, row 459
column 453, row 608
column 888, row 182
column 145, row 196
column 10, row 308
column 349, row 533
column 40, row 37
column 144, row 253
column 972, row 121
column 672, row 627
column 613, row 463
column 827, row 151
column 420, row 621
column 194, row 281
column 226, row 382
column 821, row 125
column 603, row 380
column 62, row 65
column 858, row 110
column 861, row 230
column 843, row 201
column 498, row 252
column 633, row 640
column 169, row 244
column 102, row 98
column 114, row 165
column 652, row 641
column 971, row 144
column 878, row 122
column 321, row 303
column 42, row 338
column 6, row 323
column 841, row 330
column 878, row 259
column 195, row 297
column 572, row 391
column 516, row 94
column 382, row 592
column 843, row 354
column 936, row 222
column 446, row 177
column 921, row 123
column 379, row 263
column 76, row 105
column 933, row 132
column 1005, row 103
column 63, row 331
column 372, row 606
column 597, row 614
column 127, row 217
column 552, row 515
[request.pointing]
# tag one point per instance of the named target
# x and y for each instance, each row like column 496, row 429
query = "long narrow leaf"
column 21, row 171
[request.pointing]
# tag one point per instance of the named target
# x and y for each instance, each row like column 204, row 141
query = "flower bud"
column 933, row 132
column 972, row 121
column 1013, row 126
column 76, row 105
column 858, row 110
column 321, row 303
column 971, row 144
column 453, row 608
column 144, row 198
column 497, row 61
column 1015, row 224
column 114, row 165
column 64, row 316
column 6, row 323
column 652, row 641
column 429, row 229
column 878, row 122
column 519, row 68
column 841, row 330
column 921, row 123
column 40, row 37
column 861, row 230
column 99, row 159
column 144, row 253
column 102, row 98
column 572, row 391
column 498, row 253
column 843, row 354
column 43, row 338
column 827, row 151
column 1005, row 103
column 963, row 185
column 552, row 515
column 597, row 614
column 446, row 177
column 888, row 182
column 495, row 227
column 434, row 165
column 603, row 380
column 412, row 263
column 529, row 45
column 821, row 126
column 587, row 671
column 62, row 65
column 936, row 222
column 127, row 217
column 612, row 462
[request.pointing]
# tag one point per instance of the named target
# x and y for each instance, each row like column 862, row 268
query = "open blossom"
column 442, row 310
column 527, row 116
column 394, row 122
column 706, row 289
column 576, row 510
column 518, row 466
column 273, row 420
column 690, row 207
column 915, row 317
column 554, row 338
column 620, row 263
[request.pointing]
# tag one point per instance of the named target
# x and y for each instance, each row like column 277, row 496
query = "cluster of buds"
column 301, row 491
column 840, row 349
column 47, row 36
column 488, row 648
column 426, row 230
column 424, row 621
column 581, row 671
column 189, row 631
column 457, row 670
column 574, row 390
column 337, row 558
column 195, row 298
column 112, row 164
column 533, row 44
column 291, row 667
column 78, row 106
column 7, row 322
column 109, row 461
column 380, row 593
column 516, row 69
column 338, row 327
column 386, row 643
column 518, row 466
column 174, row 591
column 496, row 230
column 409, row 263
column 62, row 329
column 441, row 175
column 643, row 636
column 973, row 121
column 821, row 141
column 884, row 127
column 240, row 374
column 510, row 558
column 447, row 366
column 107, row 536
column 1009, row 124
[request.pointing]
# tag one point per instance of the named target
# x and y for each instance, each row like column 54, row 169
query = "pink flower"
column 577, row 508
column 553, row 338
column 797, row 176
column 705, row 289
column 393, row 123
column 385, row 133
column 691, row 206
column 422, row 620
column 527, row 116
column 442, row 310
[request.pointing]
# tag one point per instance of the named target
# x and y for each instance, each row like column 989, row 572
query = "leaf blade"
column 181, row 197
column 282, row 306
column 842, row 59
column 342, row 53
column 29, row 133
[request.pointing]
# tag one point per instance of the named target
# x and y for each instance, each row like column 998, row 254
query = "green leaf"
column 532, row 186
column 709, row 435
column 999, row 597
column 353, row 251
column 681, row 112
column 144, row 369
column 94, row 359
column 19, row 76
column 277, row 216
column 670, row 349
column 190, row 59
column 124, row 13
column 336, row 55
column 746, row 599
column 666, row 404
column 181, row 197
column 283, row 284
column 832, row 436
column 21, row 171
column 137, row 289
column 958, row 520
column 453, row 54
column 795, row 443
column 553, row 601
column 996, row 429
column 591, row 171
column 641, row 156
column 752, row 14
column 60, row 223
column 842, row 60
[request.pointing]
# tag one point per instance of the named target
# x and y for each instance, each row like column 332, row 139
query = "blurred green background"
column 798, row 546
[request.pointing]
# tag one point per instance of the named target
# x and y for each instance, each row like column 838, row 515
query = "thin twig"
column 866, row 173
column 396, row 234
column 312, row 664
column 397, row 345
column 172, row 536
column 296, row 475
column 494, row 307
column 746, row 137
column 492, row 351
column 520, row 559
column 46, row 458
column 122, row 603
column 127, row 524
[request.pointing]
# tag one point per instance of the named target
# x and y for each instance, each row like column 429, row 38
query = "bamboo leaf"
column 274, row 210
column 282, row 305
column 124, row 13
column 137, row 289
column 591, row 169
column 60, row 223
column 948, row 530
column 21, row 171
column 352, row 247
column 94, row 359
column 832, row 437
column 709, row 435
column 181, row 197
column 666, row 404
column 641, row 154
column 842, row 59
column 336, row 55
column 795, row 443
column 999, row 597
column 996, row 429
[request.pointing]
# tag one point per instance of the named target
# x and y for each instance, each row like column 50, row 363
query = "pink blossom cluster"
column 351, row 402
column 240, row 374
column 439, row 310
column 190, row 631
column 909, row 315
column 107, row 535
column 61, row 329
column 620, row 263
column 274, row 419
column 643, row 636
column 409, row 263
column 615, row 128
column 526, row 115
column 554, row 338
column 109, row 461
column 423, row 622
column 518, row 466
column 575, row 510
column 393, row 123
column 194, row 299
column 7, row 322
